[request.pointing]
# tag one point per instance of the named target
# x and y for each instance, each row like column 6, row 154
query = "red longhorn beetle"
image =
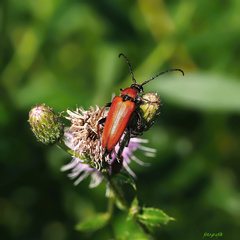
column 121, row 110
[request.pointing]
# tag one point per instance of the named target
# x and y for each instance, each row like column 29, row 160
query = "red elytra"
column 121, row 110
column 116, row 122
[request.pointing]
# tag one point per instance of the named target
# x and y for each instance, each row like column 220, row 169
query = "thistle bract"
column 146, row 113
column 45, row 124
column 150, row 107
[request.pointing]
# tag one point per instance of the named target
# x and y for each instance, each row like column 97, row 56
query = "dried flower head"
column 85, row 133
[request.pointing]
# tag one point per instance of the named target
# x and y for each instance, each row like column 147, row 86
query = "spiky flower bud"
column 45, row 124
column 150, row 107
column 147, row 112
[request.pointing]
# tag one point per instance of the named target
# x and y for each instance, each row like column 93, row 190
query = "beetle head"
column 137, row 87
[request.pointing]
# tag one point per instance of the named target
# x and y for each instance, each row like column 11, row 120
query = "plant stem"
column 144, row 229
column 61, row 144
column 118, row 194
column 111, row 202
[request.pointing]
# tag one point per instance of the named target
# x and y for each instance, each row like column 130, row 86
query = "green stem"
column 144, row 229
column 111, row 202
column 118, row 194
column 110, row 205
column 61, row 144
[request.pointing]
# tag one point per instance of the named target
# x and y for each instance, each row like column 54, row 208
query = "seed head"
column 86, row 132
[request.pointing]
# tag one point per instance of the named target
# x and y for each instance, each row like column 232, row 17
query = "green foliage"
column 94, row 223
column 206, row 92
column 134, row 209
column 64, row 53
column 153, row 217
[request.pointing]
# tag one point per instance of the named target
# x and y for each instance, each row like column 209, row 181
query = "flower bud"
column 147, row 111
column 150, row 107
column 45, row 124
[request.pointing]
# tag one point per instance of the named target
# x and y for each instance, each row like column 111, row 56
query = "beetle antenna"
column 129, row 65
column 162, row 74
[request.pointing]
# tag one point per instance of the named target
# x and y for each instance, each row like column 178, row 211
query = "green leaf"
column 132, row 236
column 208, row 92
column 134, row 209
column 128, row 230
column 153, row 217
column 94, row 223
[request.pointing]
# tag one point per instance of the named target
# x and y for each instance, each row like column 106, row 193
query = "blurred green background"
column 65, row 53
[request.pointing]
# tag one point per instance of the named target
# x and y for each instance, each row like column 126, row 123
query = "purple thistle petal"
column 81, row 171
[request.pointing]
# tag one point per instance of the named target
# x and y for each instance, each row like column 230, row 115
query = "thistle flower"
column 83, row 137
column 45, row 124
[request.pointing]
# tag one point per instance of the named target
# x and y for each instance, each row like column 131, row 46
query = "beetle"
column 121, row 111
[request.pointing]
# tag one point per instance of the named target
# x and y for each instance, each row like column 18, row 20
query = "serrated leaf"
column 153, row 217
column 134, row 209
column 94, row 223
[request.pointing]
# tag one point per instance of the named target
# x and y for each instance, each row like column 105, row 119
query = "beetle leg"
column 137, row 100
column 136, row 117
column 109, row 154
column 139, row 119
column 124, row 143
column 108, row 104
column 116, row 166
column 128, row 136
column 117, row 155
column 102, row 120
